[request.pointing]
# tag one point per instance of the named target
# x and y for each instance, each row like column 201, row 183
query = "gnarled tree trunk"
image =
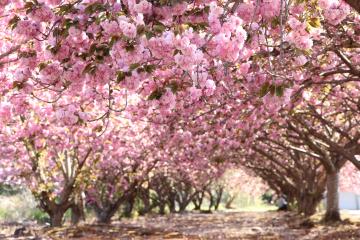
column 56, row 217
column 307, row 203
column 332, row 197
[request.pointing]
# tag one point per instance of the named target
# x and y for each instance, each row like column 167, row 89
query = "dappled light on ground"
column 221, row 225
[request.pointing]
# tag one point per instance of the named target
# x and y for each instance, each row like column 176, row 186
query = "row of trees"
column 99, row 93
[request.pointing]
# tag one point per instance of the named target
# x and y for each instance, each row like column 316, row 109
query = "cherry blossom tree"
column 197, row 74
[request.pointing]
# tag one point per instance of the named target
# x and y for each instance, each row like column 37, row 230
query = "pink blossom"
column 143, row 7
column 111, row 28
column 195, row 93
column 128, row 29
column 300, row 60
column 210, row 87
column 27, row 28
column 42, row 14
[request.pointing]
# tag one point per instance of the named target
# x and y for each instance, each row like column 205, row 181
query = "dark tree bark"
column 332, row 198
column 77, row 210
column 355, row 4
column 129, row 206
column 211, row 200
column 307, row 203
column 172, row 202
column 56, row 219
column 56, row 216
column 219, row 193
column 229, row 201
column 198, row 200
column 77, row 214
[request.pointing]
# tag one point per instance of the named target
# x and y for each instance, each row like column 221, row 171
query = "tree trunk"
column 162, row 208
column 171, row 203
column 129, row 206
column 355, row 4
column 307, row 203
column 104, row 216
column 218, row 198
column 77, row 209
column 56, row 218
column 77, row 214
column 211, row 200
column 332, row 197
column 198, row 200
column 230, row 201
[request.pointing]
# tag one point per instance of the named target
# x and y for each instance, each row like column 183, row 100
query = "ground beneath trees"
column 221, row 225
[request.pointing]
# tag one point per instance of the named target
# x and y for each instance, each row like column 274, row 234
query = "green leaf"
column 173, row 86
column 156, row 94
column 149, row 68
column 279, row 91
column 65, row 9
column 314, row 22
column 113, row 40
column 149, row 34
column 264, row 89
column 159, row 27
column 92, row 8
column 275, row 22
column 120, row 76
column 134, row 66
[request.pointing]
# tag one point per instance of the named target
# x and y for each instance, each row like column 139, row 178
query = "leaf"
column 65, row 9
column 129, row 47
column 113, row 40
column 120, row 76
column 314, row 22
column 42, row 65
column 275, row 22
column 264, row 89
column 272, row 89
column 27, row 54
column 29, row 6
column 98, row 128
column 149, row 68
column 149, row 34
column 198, row 26
column 90, row 68
column 159, row 27
column 279, row 91
column 54, row 49
column 156, row 94
column 173, row 86
column 140, row 30
column 134, row 66
column 13, row 22
column 92, row 8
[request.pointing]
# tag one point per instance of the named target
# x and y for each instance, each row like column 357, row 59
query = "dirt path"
column 224, row 226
